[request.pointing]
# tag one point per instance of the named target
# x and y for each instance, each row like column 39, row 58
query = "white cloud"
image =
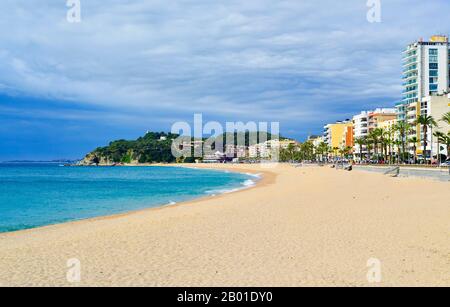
column 286, row 59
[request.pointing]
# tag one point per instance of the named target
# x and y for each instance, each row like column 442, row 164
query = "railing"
column 441, row 173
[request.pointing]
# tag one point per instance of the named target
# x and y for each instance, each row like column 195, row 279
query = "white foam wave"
column 221, row 191
column 248, row 183
column 244, row 185
column 254, row 175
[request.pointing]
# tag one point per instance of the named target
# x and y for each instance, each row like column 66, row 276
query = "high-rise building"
column 425, row 72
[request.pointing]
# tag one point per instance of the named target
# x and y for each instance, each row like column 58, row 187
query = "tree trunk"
column 403, row 149
column 439, row 152
column 425, row 144
column 415, row 154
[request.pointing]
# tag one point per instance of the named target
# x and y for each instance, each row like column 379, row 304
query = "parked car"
column 446, row 163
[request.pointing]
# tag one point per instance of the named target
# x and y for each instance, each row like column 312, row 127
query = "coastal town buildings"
column 366, row 121
column 316, row 140
column 270, row 148
column 333, row 133
column 379, row 116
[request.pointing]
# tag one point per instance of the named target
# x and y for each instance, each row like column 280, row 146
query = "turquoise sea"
column 33, row 195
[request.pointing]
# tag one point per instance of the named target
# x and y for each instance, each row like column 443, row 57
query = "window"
column 433, row 73
column 433, row 87
column 433, row 52
column 434, row 65
column 433, row 59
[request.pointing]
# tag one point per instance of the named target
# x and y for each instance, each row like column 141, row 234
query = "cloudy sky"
column 131, row 66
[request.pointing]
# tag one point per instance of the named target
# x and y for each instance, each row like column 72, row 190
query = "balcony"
column 412, row 60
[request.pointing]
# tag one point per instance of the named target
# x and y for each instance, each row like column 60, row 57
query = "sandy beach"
column 306, row 226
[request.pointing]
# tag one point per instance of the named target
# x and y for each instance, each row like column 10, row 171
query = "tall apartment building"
column 425, row 71
column 425, row 74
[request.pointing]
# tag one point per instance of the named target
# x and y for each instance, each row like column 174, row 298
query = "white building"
column 360, row 130
column 361, row 124
column 425, row 71
column 367, row 121
column 435, row 106
column 316, row 140
column 269, row 149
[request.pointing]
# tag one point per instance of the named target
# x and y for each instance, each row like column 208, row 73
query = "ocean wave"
column 244, row 185
column 254, row 175
column 222, row 191
column 248, row 183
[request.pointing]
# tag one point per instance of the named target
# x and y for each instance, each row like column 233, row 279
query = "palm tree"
column 403, row 128
column 330, row 152
column 398, row 143
column 335, row 151
column 290, row 151
column 391, row 135
column 426, row 122
column 414, row 141
column 361, row 141
column 376, row 135
column 439, row 136
column 369, row 146
column 347, row 151
column 445, row 140
column 384, row 143
column 326, row 151
column 446, row 118
column 322, row 149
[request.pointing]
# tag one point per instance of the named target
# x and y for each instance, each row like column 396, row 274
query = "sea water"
column 33, row 195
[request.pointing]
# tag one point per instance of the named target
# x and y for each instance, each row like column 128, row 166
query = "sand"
column 299, row 227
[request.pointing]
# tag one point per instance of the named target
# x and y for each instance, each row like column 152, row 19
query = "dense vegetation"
column 154, row 147
column 147, row 149
column 248, row 137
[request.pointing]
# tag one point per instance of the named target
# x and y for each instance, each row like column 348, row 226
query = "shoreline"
column 260, row 182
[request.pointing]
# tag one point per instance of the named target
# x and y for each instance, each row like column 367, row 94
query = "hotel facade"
column 367, row 121
column 426, row 82
column 334, row 134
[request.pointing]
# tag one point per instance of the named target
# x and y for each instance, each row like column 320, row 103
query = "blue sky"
column 132, row 66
